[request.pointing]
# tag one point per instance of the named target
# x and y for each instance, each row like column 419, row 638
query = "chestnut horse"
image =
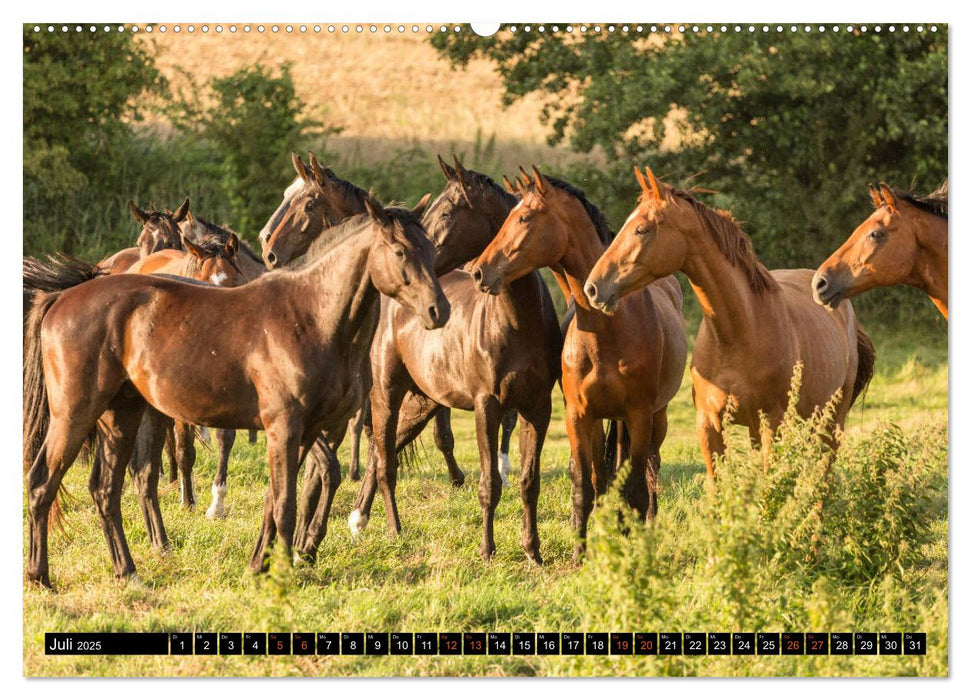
column 626, row 366
column 757, row 326
column 499, row 354
column 292, row 365
column 904, row 241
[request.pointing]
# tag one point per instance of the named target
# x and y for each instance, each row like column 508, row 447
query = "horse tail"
column 616, row 443
column 36, row 409
column 866, row 359
column 59, row 272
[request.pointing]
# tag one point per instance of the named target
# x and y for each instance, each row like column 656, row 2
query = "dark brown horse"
column 758, row 324
column 316, row 200
column 160, row 229
column 624, row 367
column 904, row 241
column 292, row 365
column 499, row 353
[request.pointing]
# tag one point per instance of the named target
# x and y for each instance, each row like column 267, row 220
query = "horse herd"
column 384, row 318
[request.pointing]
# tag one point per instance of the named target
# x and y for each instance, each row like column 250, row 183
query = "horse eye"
column 399, row 252
column 876, row 235
column 445, row 215
column 524, row 218
column 310, row 205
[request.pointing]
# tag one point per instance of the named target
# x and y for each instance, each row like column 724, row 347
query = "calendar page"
column 523, row 349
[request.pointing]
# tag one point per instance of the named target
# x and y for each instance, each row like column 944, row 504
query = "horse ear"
column 645, row 188
column 540, row 187
column 422, row 204
column 460, row 179
column 140, row 216
column 192, row 248
column 525, row 176
column 318, row 171
column 181, row 212
column 299, row 166
column 874, row 195
column 447, row 170
column 888, row 197
column 508, row 185
column 377, row 212
column 232, row 246
column 653, row 183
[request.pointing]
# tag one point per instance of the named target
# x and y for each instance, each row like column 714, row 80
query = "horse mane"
column 732, row 241
column 484, row 184
column 599, row 221
column 333, row 236
column 222, row 234
column 213, row 247
column 934, row 203
column 346, row 187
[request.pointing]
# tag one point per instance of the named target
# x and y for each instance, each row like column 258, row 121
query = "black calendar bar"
column 249, row 644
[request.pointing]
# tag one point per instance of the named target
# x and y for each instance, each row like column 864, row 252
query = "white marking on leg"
column 504, row 467
column 218, row 508
column 357, row 521
column 204, row 434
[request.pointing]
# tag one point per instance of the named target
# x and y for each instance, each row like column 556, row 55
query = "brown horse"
column 160, row 229
column 758, row 325
column 292, row 365
column 500, row 353
column 904, row 241
column 316, row 200
column 625, row 366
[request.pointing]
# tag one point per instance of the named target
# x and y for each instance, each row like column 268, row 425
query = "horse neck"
column 344, row 297
column 930, row 268
column 250, row 268
column 572, row 269
column 734, row 312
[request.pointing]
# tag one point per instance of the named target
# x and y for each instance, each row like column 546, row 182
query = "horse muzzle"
column 602, row 297
column 827, row 289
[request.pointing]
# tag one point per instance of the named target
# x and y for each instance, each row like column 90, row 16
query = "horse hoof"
column 354, row 477
column 42, row 580
column 357, row 521
column 458, row 480
column 487, row 552
column 304, row 559
column 214, row 513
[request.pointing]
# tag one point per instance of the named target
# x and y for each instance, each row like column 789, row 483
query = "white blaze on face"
column 288, row 194
column 633, row 215
column 218, row 278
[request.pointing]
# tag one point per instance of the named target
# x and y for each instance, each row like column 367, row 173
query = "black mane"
column 604, row 231
column 934, row 203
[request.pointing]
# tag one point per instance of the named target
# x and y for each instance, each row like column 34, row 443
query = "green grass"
column 752, row 555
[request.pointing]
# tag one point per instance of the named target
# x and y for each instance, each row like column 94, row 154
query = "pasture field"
column 753, row 554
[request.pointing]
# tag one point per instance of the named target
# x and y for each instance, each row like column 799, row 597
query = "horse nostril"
column 433, row 312
column 821, row 283
column 477, row 275
column 271, row 258
column 590, row 290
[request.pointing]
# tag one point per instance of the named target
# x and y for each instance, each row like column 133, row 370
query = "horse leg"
column 170, row 454
column 710, row 438
column 532, row 433
column 357, row 428
column 252, row 436
column 508, row 425
column 654, row 465
column 280, row 510
column 445, row 442
column 61, row 446
column 225, row 440
column 329, row 478
column 117, row 431
column 146, row 468
column 580, row 430
column 185, row 452
column 637, row 489
column 488, row 416
column 413, row 415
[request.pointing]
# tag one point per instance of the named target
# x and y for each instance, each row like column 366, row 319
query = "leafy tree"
column 252, row 121
column 787, row 127
column 81, row 95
